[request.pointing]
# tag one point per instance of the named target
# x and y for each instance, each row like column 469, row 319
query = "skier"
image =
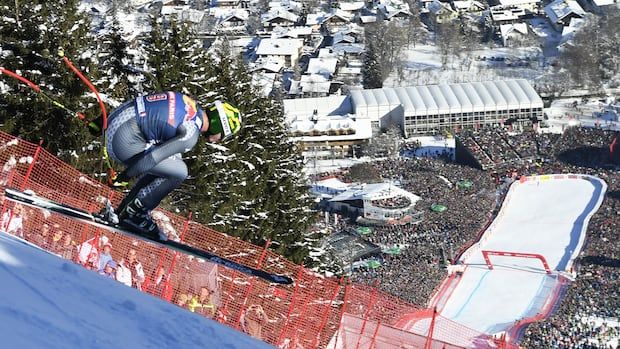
column 148, row 135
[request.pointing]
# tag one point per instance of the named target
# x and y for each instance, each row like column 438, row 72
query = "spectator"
column 57, row 241
column 183, row 300
column 67, row 247
column 105, row 257
column 123, row 273
column 13, row 221
column 208, row 304
column 42, row 238
column 88, row 251
column 109, row 270
column 158, row 284
column 253, row 320
column 137, row 272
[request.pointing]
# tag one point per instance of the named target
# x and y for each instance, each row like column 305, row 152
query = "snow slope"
column 48, row 302
column 545, row 215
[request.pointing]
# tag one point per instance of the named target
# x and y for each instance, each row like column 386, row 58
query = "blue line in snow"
column 471, row 294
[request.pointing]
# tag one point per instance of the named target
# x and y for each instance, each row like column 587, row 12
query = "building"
column 380, row 202
column 560, row 12
column 430, row 109
column 286, row 50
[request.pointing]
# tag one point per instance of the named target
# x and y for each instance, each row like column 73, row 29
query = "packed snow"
column 48, row 302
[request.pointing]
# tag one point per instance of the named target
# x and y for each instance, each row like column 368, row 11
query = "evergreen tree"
column 170, row 50
column 119, row 79
column 251, row 187
column 371, row 71
column 32, row 34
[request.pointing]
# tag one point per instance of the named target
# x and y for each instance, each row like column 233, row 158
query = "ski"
column 87, row 217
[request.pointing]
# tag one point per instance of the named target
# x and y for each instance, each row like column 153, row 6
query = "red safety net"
column 314, row 312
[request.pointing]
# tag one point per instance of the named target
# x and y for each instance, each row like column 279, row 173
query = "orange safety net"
column 307, row 314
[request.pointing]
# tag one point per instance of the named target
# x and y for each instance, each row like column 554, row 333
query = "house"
column 561, row 12
column 468, row 6
column 234, row 20
column 442, row 11
column 512, row 33
column 337, row 20
column 314, row 85
column 532, row 6
column 353, row 7
column 225, row 3
column 568, row 33
column 389, row 12
column 280, row 17
column 506, row 15
column 286, row 50
column 265, row 82
column 325, row 66
column 602, row 6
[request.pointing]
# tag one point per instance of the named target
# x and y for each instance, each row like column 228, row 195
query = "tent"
column 364, row 230
column 438, row 208
column 464, row 184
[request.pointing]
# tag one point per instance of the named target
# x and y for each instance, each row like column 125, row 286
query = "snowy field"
column 543, row 215
column 48, row 302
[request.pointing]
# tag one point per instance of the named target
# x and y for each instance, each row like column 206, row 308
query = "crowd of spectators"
column 392, row 203
column 426, row 247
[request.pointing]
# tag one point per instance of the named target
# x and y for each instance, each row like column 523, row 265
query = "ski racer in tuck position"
column 148, row 135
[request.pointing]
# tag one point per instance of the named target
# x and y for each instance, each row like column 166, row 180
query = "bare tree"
column 389, row 42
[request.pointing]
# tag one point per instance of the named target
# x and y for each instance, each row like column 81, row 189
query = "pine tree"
column 253, row 188
column 30, row 47
column 115, row 65
column 371, row 71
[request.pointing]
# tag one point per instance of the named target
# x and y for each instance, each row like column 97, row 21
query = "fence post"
column 292, row 304
column 326, row 313
column 373, row 299
column 429, row 337
column 248, row 290
column 344, row 308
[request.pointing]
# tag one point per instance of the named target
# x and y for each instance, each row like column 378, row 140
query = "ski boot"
column 137, row 219
column 107, row 214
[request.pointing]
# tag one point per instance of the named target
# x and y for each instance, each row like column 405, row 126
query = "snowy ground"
column 545, row 216
column 48, row 302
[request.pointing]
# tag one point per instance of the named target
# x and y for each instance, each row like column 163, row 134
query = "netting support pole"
column 374, row 335
column 373, row 299
column 248, row 290
column 431, row 329
column 176, row 254
column 326, row 313
column 343, row 309
column 29, row 171
column 292, row 304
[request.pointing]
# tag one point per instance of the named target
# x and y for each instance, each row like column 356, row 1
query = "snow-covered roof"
column 327, row 52
column 279, row 13
column 436, row 7
column 221, row 13
column 450, row 98
column 312, row 83
column 322, row 65
column 507, row 29
column 302, row 108
column 290, row 32
column 600, row 3
column 332, row 183
column 264, row 81
column 518, row 2
column 499, row 13
column 316, row 18
column 375, row 191
column 368, row 18
column 464, row 5
column 559, row 9
column 283, row 47
column 351, row 6
column 342, row 37
column 354, row 48
column 568, row 32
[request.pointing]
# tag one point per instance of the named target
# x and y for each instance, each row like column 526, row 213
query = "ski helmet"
column 224, row 118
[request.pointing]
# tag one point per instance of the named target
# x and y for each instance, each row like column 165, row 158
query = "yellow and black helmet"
column 224, row 118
